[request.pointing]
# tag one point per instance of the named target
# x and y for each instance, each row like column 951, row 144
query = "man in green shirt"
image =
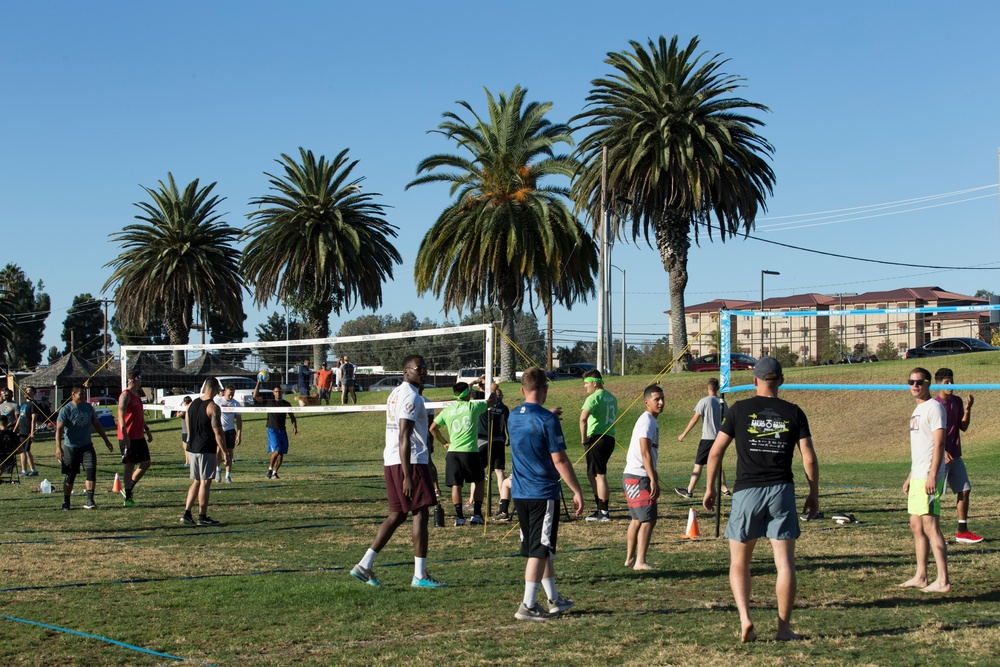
column 597, row 433
column 463, row 462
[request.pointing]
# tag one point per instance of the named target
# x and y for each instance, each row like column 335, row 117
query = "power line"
column 884, row 205
column 981, row 267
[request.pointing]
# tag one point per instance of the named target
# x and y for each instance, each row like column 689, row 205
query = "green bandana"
column 592, row 379
column 463, row 394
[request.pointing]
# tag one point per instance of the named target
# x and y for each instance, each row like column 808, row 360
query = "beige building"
column 808, row 336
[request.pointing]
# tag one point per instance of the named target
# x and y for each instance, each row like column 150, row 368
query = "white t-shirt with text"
column 405, row 402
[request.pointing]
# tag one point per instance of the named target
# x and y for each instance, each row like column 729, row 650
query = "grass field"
column 271, row 586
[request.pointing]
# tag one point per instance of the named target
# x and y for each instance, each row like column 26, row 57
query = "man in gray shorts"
column 766, row 429
column 206, row 440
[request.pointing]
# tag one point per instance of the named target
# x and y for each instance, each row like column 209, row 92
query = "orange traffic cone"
column 692, row 532
column 117, row 486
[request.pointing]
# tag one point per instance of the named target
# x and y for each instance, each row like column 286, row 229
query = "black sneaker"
column 683, row 493
column 208, row 521
column 274, row 475
column 595, row 516
column 65, row 505
column 188, row 520
column 90, row 505
column 269, row 474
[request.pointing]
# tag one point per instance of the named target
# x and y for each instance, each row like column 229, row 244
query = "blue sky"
column 870, row 103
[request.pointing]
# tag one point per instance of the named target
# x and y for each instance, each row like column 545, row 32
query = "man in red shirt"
column 133, row 437
column 958, row 418
column 324, row 383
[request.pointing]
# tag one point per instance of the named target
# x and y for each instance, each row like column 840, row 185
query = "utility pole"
column 105, row 302
column 602, row 223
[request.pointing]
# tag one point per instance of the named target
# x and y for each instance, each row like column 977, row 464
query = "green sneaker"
column 130, row 503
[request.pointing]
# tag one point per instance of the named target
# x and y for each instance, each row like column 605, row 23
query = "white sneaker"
column 534, row 614
column 229, row 480
column 559, row 605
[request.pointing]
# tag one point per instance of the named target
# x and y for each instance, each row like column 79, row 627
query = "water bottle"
column 45, row 486
column 438, row 516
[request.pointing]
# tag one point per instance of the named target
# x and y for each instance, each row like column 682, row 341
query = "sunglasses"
column 912, row 382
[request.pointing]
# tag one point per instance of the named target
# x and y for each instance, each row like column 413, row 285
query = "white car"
column 391, row 382
column 244, row 394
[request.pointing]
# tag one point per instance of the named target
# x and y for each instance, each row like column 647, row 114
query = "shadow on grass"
column 891, row 632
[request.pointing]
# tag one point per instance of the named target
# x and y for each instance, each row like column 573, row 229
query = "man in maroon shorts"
column 408, row 481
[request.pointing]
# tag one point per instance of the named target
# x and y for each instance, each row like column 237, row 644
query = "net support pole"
column 725, row 349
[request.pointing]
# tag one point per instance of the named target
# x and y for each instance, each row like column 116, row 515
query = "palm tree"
column 680, row 148
column 319, row 242
column 505, row 237
column 180, row 256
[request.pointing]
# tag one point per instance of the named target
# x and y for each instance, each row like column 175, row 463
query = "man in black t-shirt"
column 277, row 436
column 767, row 430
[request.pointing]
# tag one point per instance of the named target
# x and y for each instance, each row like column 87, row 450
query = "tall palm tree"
column 683, row 150
column 505, row 237
column 319, row 242
column 180, row 255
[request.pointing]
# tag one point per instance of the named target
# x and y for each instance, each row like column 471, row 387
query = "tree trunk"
column 506, row 351
column 673, row 241
column 177, row 334
column 318, row 324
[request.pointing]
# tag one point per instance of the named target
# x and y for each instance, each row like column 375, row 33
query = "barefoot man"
column 642, row 485
column 767, row 430
column 925, row 483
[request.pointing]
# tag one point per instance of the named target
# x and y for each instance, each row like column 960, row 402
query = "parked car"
column 102, row 400
column 244, row 394
column 942, row 346
column 570, row 371
column 391, row 382
column 709, row 363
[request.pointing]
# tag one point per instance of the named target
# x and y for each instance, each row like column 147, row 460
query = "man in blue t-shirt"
column 75, row 447
column 538, row 457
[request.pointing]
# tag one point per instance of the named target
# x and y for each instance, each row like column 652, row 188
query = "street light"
column 763, row 273
column 623, row 317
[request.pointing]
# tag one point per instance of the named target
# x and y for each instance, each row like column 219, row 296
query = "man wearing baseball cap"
column 767, row 430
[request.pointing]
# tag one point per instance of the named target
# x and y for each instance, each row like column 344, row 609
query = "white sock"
column 419, row 567
column 530, row 594
column 368, row 560
column 550, row 587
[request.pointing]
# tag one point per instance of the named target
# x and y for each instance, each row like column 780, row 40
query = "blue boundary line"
column 105, row 639
column 871, row 387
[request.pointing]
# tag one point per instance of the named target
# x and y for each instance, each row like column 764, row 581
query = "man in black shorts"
column 74, row 447
column 538, row 456
column 133, row 437
column 206, row 442
column 492, row 440
column 767, row 430
column 710, row 411
column 597, row 433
